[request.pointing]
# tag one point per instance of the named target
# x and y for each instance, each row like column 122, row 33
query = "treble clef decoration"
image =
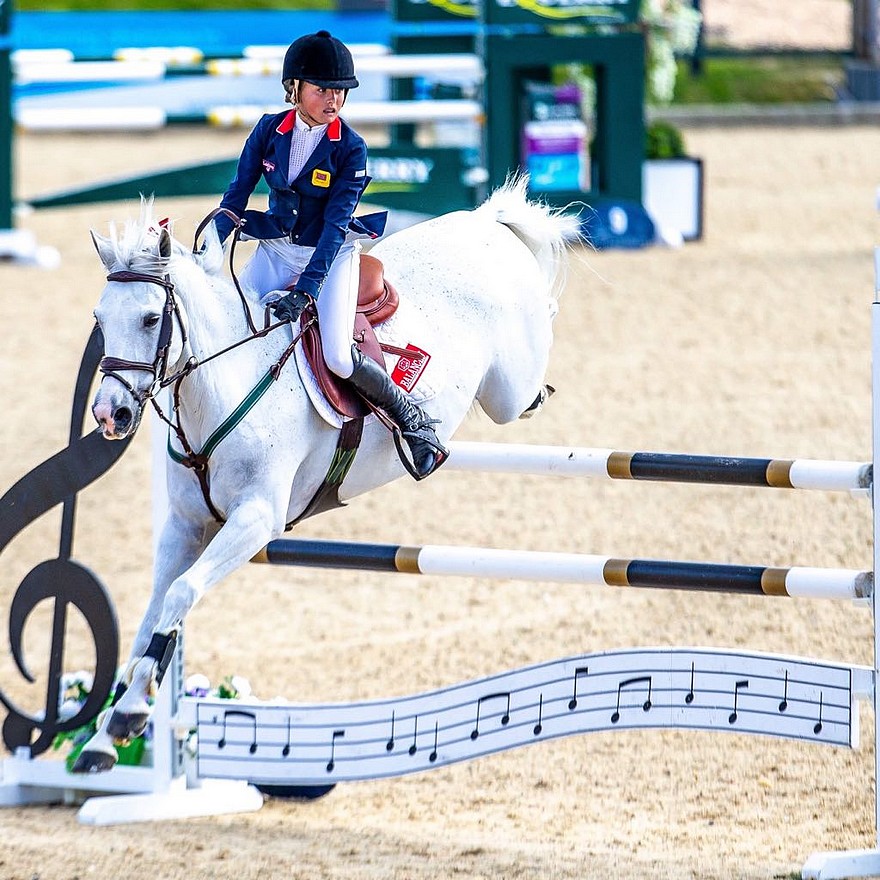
column 57, row 481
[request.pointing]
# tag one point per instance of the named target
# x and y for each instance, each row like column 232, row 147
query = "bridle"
column 158, row 369
column 110, row 366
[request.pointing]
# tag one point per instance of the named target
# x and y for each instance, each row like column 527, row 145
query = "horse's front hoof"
column 94, row 760
column 124, row 726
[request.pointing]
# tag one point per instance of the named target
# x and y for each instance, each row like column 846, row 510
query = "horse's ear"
column 105, row 249
column 164, row 246
column 210, row 255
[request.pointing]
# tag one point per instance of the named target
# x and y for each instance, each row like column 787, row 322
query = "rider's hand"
column 289, row 307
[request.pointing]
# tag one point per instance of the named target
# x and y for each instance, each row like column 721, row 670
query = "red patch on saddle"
column 409, row 368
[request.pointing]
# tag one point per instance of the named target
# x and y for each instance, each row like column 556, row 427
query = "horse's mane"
column 134, row 245
column 546, row 231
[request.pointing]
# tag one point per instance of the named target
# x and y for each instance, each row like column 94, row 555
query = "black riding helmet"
column 320, row 59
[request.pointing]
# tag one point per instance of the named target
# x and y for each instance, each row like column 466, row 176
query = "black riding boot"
column 375, row 385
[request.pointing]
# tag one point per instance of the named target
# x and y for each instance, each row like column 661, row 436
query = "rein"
column 109, row 366
column 239, row 225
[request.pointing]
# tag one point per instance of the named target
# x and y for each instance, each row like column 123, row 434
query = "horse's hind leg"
column 546, row 392
column 514, row 386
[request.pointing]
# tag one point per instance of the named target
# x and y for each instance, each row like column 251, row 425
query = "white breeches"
column 277, row 264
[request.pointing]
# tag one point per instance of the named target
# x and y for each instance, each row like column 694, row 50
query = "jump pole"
column 433, row 559
column 575, row 461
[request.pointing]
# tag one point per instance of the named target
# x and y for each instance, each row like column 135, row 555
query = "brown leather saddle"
column 377, row 301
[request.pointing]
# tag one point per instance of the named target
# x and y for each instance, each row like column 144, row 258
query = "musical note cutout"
column 389, row 746
column 60, row 584
column 580, row 671
column 239, row 713
column 783, row 703
column 504, row 718
column 689, row 696
column 337, row 734
column 285, row 752
column 433, row 756
column 412, row 749
column 477, row 718
column 630, row 682
column 740, row 685
column 539, row 726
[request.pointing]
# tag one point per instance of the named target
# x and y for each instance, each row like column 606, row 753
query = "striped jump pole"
column 573, row 461
column 145, row 117
column 432, row 559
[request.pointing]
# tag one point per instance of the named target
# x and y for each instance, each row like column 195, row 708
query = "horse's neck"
column 215, row 316
column 216, row 324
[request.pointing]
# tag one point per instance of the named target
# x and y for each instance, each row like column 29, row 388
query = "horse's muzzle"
column 116, row 422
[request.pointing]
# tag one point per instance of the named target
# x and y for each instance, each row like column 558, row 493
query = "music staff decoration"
column 690, row 688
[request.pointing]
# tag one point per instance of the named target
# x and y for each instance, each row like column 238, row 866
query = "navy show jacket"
column 317, row 208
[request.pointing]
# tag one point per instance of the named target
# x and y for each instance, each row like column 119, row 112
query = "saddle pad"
column 339, row 393
column 404, row 327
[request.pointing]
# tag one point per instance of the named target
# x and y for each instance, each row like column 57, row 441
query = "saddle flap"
column 377, row 301
column 339, row 393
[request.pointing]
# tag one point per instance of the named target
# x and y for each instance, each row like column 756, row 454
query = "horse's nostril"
column 122, row 418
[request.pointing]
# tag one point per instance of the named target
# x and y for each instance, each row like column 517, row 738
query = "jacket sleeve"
column 247, row 176
column 345, row 193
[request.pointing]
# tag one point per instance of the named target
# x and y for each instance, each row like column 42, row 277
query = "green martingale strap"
column 173, row 454
column 230, row 422
column 327, row 495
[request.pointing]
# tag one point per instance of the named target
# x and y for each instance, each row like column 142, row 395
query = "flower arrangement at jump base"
column 76, row 687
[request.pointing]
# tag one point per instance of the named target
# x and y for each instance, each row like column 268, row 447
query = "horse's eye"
column 151, row 321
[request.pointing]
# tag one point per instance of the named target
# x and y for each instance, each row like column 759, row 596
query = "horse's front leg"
column 179, row 546
column 249, row 527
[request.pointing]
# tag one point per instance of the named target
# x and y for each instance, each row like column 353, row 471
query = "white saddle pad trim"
column 404, row 327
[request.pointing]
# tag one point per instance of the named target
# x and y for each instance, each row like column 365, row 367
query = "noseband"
column 110, row 366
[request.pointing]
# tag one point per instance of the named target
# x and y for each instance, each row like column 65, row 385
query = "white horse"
column 478, row 291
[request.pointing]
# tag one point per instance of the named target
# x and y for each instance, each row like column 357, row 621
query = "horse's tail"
column 544, row 230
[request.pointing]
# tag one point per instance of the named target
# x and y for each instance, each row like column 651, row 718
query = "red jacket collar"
column 334, row 129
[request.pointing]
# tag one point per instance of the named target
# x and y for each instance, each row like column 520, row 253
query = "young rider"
column 315, row 166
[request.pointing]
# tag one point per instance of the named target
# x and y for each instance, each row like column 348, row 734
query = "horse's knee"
column 181, row 597
column 504, row 403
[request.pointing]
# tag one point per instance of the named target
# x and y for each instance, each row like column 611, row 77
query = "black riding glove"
column 290, row 307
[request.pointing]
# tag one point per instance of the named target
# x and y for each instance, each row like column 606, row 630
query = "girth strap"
column 325, row 498
column 327, row 495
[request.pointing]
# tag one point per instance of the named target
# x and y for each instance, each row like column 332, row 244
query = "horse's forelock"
column 135, row 246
